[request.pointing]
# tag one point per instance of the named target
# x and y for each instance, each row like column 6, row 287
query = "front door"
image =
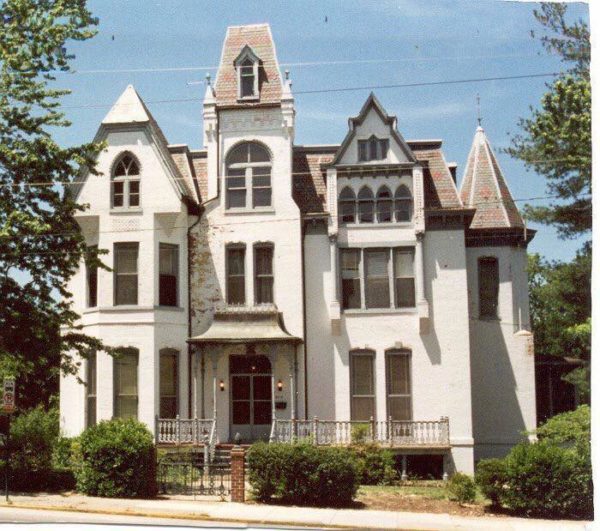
column 250, row 397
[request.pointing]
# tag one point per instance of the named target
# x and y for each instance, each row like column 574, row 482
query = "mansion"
column 281, row 291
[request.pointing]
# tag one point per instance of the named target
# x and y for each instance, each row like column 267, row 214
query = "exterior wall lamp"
column 280, row 385
column 222, row 385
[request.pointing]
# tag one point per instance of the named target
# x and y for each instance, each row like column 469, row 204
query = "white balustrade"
column 184, row 431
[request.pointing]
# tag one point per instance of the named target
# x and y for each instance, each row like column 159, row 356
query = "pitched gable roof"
column 258, row 38
column 484, row 188
column 373, row 103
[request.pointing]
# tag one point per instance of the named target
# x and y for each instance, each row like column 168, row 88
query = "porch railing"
column 393, row 433
column 185, row 431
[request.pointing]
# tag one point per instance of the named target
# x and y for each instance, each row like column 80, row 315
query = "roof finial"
column 208, row 78
column 478, row 110
column 287, row 75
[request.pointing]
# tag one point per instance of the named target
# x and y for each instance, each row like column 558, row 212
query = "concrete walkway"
column 188, row 508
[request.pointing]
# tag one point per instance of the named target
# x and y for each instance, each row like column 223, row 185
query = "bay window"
column 377, row 283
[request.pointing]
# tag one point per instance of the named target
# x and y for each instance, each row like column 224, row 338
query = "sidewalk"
column 207, row 509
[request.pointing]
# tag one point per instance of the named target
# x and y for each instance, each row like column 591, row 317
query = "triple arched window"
column 381, row 208
column 125, row 182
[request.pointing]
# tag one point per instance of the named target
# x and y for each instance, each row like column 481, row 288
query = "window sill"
column 242, row 211
column 243, row 99
column 124, row 210
column 375, row 225
column 125, row 308
column 380, row 311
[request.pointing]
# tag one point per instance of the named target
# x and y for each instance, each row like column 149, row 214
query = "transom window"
column 125, row 182
column 381, row 208
column 377, row 278
column 373, row 149
column 248, row 177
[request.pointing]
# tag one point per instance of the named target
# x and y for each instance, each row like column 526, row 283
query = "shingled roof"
column 484, row 188
column 258, row 38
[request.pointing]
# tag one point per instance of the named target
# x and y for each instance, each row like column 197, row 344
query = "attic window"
column 247, row 69
column 373, row 149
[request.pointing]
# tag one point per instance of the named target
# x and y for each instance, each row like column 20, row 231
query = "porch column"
column 194, row 368
column 292, row 375
column 422, row 304
column 202, row 383
column 272, row 357
column 214, row 357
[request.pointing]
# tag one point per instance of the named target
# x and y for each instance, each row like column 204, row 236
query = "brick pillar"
column 238, row 474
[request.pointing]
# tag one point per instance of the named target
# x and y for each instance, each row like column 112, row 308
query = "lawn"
column 418, row 496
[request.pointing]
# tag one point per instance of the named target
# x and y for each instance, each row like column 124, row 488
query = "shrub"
column 375, row 465
column 548, row 481
column 118, row 460
column 491, row 478
column 302, row 474
column 461, row 488
column 572, row 427
column 360, row 433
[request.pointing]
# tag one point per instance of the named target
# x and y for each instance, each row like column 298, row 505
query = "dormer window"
column 247, row 68
column 125, row 183
column 373, row 149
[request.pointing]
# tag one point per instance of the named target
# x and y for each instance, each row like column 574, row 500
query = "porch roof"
column 243, row 324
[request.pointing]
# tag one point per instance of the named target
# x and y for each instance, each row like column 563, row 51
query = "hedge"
column 375, row 465
column 461, row 488
column 118, row 459
column 303, row 474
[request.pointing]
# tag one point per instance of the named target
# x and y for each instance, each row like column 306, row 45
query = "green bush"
column 118, row 460
column 302, row 474
column 548, row 481
column 491, row 478
column 461, row 488
column 360, row 433
column 572, row 427
column 375, row 465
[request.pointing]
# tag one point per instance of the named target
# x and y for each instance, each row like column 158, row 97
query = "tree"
column 41, row 245
column 560, row 305
column 557, row 140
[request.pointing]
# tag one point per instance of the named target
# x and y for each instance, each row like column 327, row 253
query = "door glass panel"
column 241, row 412
column 262, row 412
column 240, row 387
column 262, row 388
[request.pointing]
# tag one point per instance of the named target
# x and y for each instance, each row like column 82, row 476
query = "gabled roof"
column 130, row 110
column 373, row 103
column 258, row 38
column 484, row 188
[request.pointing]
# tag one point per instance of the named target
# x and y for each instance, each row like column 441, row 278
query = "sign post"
column 8, row 407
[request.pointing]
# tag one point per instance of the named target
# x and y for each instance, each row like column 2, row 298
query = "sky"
column 177, row 42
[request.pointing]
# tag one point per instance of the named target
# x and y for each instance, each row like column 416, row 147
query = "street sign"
column 8, row 396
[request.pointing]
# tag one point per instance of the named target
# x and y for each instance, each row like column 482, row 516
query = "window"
column 397, row 369
column 362, row 385
column 236, row 275
column 247, row 79
column 168, row 274
column 91, row 273
column 91, row 389
column 350, row 266
column 384, row 205
column 126, row 273
column 404, row 277
column 126, row 384
column 373, row 149
column 377, row 284
column 126, row 182
column 347, row 206
column 169, row 361
column 248, row 169
column 263, row 273
column 488, row 287
column 365, row 205
column 403, row 204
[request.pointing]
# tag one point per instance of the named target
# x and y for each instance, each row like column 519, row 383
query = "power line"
column 338, row 89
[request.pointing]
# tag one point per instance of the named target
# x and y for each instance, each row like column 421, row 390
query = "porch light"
column 279, row 385
column 222, row 385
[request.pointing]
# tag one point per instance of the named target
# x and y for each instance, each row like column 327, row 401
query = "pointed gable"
column 372, row 105
column 239, row 41
column 484, row 188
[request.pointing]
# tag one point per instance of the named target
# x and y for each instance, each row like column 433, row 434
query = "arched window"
column 365, row 205
column 347, row 206
column 125, row 182
column 398, row 384
column 384, row 205
column 403, row 204
column 248, row 168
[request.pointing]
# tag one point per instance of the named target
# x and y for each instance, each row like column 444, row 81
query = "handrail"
column 183, row 431
column 212, row 440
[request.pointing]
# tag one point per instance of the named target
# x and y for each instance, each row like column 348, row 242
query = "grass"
column 432, row 490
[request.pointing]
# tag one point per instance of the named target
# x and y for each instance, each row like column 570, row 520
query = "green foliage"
column 572, row 427
column 560, row 305
column 360, row 433
column 37, row 220
column 548, row 481
column 302, row 474
column 461, row 488
column 556, row 141
column 375, row 465
column 491, row 479
column 118, row 460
